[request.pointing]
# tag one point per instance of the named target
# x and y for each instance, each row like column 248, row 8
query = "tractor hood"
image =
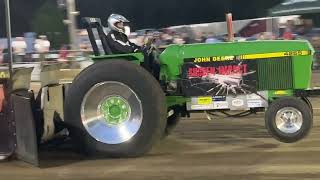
column 174, row 56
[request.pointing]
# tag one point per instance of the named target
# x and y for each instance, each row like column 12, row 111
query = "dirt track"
column 198, row 149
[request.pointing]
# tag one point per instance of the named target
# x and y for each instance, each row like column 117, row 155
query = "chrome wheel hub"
column 111, row 112
column 289, row 120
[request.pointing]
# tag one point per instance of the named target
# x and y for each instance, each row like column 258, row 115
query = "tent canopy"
column 295, row 7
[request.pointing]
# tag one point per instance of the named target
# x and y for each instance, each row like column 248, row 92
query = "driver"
column 119, row 43
column 117, row 39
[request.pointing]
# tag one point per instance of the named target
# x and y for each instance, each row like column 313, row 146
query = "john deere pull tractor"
column 121, row 105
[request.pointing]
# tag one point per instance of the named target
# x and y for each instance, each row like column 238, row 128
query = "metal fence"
column 67, row 60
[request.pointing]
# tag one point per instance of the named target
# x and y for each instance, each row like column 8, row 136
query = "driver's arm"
column 135, row 47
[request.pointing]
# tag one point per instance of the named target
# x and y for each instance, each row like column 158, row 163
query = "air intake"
column 275, row 73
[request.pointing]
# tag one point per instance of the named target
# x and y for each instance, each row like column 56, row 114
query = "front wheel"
column 289, row 119
column 115, row 108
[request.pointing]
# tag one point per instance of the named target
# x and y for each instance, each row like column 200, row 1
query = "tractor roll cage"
column 90, row 24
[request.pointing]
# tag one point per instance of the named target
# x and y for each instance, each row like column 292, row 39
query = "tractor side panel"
column 135, row 57
column 238, row 67
column 302, row 71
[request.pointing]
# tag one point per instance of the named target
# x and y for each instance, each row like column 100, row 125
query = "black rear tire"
column 145, row 87
column 291, row 103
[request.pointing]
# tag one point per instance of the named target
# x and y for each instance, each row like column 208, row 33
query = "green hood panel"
column 173, row 57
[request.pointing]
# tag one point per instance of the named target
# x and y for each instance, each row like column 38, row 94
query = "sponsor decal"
column 247, row 56
column 219, row 98
column 253, row 97
column 204, row 100
column 280, row 92
column 255, row 103
column 202, row 107
column 4, row 75
column 275, row 55
column 221, row 105
column 237, row 102
column 212, row 59
column 221, row 70
column 219, row 79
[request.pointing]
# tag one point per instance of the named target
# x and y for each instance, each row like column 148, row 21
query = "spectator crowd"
column 289, row 30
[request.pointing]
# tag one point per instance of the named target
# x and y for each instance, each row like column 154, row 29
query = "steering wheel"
column 148, row 46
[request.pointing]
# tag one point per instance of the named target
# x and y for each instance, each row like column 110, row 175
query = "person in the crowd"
column 63, row 53
column 19, row 47
column 178, row 40
column 288, row 35
column 1, row 54
column 186, row 38
column 199, row 38
column 211, row 39
column 42, row 45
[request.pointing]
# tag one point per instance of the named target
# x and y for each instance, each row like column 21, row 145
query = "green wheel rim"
column 115, row 110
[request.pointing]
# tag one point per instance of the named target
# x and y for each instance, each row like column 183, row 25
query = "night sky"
column 145, row 13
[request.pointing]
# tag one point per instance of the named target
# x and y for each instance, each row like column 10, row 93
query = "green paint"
column 176, row 100
column 136, row 57
column 302, row 71
column 115, row 110
column 272, row 94
column 172, row 58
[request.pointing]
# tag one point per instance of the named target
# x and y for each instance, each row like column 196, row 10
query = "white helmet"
column 114, row 19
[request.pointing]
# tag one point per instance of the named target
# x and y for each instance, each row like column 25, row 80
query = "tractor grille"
column 275, row 73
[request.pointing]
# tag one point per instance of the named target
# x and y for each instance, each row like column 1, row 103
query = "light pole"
column 70, row 6
column 9, row 37
column 10, row 83
column 72, row 13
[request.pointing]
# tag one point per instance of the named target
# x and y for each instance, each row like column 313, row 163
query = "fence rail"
column 61, row 56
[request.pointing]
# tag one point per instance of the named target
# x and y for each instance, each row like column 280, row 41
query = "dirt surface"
column 198, row 149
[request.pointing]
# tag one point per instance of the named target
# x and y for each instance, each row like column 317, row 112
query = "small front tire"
column 289, row 119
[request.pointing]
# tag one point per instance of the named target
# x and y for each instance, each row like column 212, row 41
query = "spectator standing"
column 186, row 38
column 19, row 47
column 63, row 53
column 42, row 46
column 199, row 38
column 211, row 39
column 288, row 35
column 178, row 40
column 1, row 55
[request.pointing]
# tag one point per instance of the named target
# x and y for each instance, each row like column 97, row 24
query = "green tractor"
column 120, row 106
